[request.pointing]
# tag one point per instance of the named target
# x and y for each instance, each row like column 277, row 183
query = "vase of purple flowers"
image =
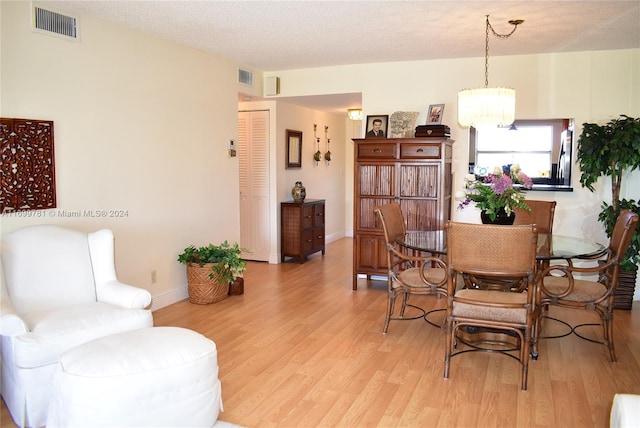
column 498, row 194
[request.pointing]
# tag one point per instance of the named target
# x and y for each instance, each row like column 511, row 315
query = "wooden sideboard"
column 416, row 173
column 302, row 228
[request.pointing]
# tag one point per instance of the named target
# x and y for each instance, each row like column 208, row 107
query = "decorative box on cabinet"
column 302, row 228
column 416, row 173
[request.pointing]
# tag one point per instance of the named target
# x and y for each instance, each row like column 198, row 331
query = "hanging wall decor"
column 318, row 154
column 294, row 149
column 27, row 166
column 327, row 155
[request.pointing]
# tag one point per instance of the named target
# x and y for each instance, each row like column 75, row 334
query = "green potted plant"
column 613, row 150
column 211, row 269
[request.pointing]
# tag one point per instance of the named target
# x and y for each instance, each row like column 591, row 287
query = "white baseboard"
column 333, row 237
column 166, row 299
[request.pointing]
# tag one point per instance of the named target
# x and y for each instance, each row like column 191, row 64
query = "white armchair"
column 59, row 290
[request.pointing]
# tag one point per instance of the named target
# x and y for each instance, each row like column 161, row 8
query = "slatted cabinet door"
column 416, row 173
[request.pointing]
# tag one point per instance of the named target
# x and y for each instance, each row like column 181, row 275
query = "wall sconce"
column 488, row 106
column 354, row 114
column 327, row 155
column 318, row 154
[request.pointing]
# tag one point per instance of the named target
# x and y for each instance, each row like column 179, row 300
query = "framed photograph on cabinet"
column 434, row 115
column 294, row 149
column 377, row 126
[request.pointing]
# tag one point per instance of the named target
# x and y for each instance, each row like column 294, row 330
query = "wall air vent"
column 245, row 77
column 56, row 23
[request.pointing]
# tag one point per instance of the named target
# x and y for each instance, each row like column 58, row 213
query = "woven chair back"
column 492, row 250
column 392, row 221
column 541, row 215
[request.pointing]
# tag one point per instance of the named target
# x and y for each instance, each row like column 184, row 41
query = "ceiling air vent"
column 52, row 22
column 245, row 77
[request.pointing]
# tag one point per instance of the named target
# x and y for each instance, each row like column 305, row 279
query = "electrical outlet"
column 154, row 277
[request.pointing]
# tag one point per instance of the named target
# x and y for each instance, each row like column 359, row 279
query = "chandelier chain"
column 515, row 23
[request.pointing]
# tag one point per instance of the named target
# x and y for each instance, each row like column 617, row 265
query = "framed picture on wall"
column 377, row 126
column 434, row 115
column 294, row 149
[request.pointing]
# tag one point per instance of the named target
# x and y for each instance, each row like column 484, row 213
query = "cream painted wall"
column 354, row 130
column 586, row 86
column 322, row 180
column 140, row 126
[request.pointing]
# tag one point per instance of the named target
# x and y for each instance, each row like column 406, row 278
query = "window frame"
column 560, row 154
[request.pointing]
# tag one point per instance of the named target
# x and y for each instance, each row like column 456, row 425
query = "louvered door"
column 253, row 160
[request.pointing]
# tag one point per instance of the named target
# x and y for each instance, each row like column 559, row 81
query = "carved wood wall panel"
column 27, row 169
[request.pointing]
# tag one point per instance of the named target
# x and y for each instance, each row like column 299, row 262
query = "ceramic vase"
column 298, row 192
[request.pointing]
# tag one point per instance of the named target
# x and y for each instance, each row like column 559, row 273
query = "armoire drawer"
column 377, row 151
column 420, row 151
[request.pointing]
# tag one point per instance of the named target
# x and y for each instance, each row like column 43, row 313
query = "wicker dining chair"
column 541, row 214
column 566, row 285
column 503, row 252
column 407, row 274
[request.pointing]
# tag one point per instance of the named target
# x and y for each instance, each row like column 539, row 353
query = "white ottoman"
column 625, row 411
column 158, row 376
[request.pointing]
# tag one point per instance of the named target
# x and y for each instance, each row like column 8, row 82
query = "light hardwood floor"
column 301, row 349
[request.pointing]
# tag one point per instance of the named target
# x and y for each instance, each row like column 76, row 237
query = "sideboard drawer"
column 377, row 151
column 420, row 151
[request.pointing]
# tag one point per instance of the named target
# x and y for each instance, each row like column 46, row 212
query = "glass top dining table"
column 550, row 246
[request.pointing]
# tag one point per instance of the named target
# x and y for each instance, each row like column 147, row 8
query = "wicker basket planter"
column 202, row 289
column 210, row 270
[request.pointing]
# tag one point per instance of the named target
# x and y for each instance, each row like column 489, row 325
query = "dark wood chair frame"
column 502, row 252
column 408, row 274
column 560, row 286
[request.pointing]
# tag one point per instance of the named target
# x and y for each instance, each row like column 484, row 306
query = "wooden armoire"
column 416, row 173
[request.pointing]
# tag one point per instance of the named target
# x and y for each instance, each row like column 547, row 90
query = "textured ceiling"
column 279, row 35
